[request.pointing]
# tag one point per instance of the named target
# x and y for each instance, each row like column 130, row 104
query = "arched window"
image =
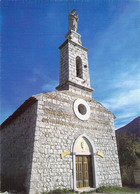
column 79, row 72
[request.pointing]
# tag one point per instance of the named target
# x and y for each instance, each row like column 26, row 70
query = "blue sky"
column 32, row 31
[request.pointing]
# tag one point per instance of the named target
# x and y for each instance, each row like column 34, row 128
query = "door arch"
column 84, row 164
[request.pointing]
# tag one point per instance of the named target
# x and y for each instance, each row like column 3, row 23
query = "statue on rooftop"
column 73, row 20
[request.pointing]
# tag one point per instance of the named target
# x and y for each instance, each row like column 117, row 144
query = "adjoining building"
column 61, row 139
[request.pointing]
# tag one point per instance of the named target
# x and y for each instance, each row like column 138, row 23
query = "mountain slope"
column 131, row 128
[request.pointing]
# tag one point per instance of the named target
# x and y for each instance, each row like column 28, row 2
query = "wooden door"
column 84, row 177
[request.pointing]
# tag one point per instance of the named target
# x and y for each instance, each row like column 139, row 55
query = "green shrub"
column 60, row 191
column 127, row 151
column 114, row 190
column 99, row 190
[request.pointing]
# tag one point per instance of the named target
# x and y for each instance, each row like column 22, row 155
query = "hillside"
column 128, row 143
column 131, row 128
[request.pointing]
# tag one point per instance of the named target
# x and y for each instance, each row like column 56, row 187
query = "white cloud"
column 126, row 115
column 45, row 82
column 124, row 98
column 125, row 87
column 50, row 86
column 128, row 79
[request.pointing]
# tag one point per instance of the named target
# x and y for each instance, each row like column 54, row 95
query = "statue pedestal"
column 74, row 36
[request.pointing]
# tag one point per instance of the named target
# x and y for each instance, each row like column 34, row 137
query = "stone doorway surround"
column 83, row 146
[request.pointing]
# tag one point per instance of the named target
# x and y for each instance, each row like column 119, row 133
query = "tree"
column 127, row 150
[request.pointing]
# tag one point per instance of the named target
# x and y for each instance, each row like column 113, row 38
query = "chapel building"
column 62, row 139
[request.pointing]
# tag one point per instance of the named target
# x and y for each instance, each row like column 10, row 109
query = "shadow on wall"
column 17, row 145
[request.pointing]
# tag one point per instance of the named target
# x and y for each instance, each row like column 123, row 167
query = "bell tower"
column 74, row 71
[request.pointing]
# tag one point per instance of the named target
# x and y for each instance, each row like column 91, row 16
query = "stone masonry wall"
column 56, row 130
column 17, row 144
column 74, row 51
column 68, row 53
column 64, row 68
column 81, row 93
column 33, row 141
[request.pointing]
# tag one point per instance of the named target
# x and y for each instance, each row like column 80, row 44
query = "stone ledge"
column 69, row 41
column 61, row 87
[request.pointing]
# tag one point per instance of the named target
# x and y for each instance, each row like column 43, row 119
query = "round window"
column 81, row 109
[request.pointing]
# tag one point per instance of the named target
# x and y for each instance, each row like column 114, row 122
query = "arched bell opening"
column 79, row 71
column 84, row 167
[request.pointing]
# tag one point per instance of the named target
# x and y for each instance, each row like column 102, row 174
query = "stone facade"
column 35, row 139
column 17, row 144
column 33, row 142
